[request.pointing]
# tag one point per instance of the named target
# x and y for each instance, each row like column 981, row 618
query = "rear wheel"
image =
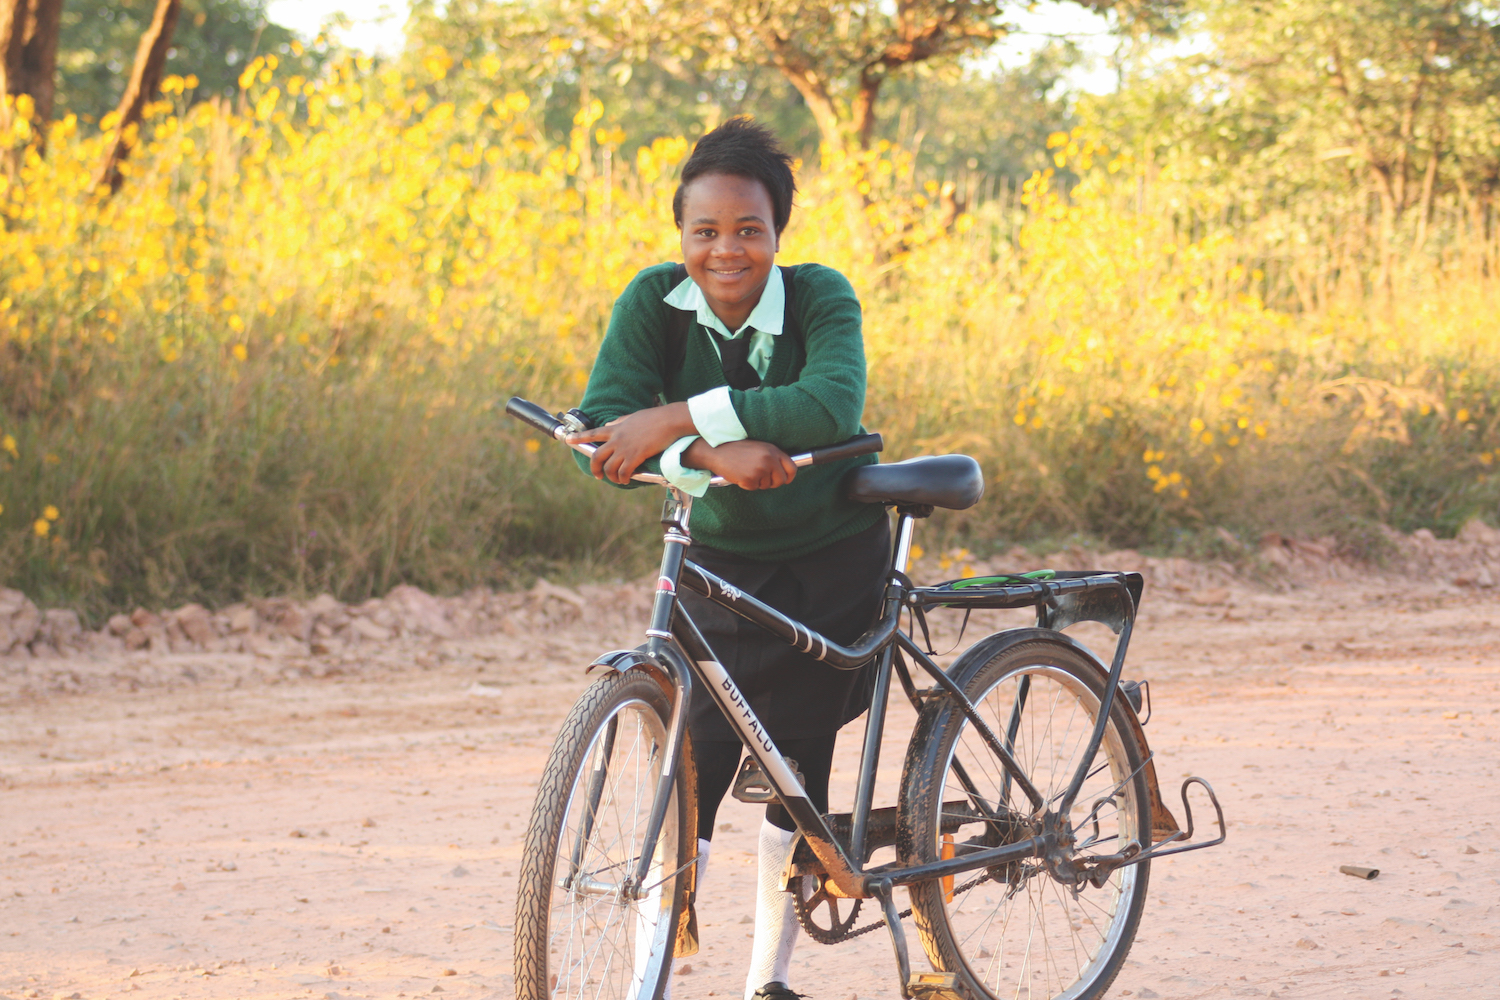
column 580, row 931
column 1026, row 930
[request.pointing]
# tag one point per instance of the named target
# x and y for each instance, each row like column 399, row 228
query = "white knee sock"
column 703, row 847
column 775, row 923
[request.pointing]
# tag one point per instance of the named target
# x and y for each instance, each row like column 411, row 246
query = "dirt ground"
column 269, row 824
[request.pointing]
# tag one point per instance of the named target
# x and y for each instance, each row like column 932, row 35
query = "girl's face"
column 729, row 243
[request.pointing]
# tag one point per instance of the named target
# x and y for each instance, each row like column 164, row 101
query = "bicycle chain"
column 822, row 936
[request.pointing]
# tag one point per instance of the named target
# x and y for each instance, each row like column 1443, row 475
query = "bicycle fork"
column 674, row 519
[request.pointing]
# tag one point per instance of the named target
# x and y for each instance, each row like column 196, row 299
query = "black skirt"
column 835, row 591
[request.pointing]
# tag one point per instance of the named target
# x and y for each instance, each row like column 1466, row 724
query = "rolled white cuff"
column 714, row 417
column 693, row 482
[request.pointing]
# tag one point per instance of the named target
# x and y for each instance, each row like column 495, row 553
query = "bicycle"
column 1028, row 810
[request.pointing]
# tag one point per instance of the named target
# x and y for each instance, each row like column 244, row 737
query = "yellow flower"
column 916, row 551
column 533, row 445
column 41, row 527
column 1462, row 416
column 50, row 513
column 8, row 443
column 239, row 352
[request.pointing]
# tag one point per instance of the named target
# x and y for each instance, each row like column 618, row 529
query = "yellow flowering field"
column 275, row 360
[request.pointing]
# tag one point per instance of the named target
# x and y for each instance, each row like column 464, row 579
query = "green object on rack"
column 985, row 581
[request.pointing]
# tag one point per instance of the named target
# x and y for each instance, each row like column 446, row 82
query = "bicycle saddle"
column 951, row 481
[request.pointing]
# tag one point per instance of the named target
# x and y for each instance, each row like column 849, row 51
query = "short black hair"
column 741, row 147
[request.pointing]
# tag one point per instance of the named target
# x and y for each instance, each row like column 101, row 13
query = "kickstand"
column 881, row 890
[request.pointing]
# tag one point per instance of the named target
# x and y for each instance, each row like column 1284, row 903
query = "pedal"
column 751, row 784
column 934, row 986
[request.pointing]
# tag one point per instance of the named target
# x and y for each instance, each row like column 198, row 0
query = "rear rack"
column 1061, row 597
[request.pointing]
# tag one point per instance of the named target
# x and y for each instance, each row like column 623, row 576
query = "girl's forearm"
column 698, row 455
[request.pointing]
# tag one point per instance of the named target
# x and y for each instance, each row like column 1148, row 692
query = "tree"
column 1298, row 99
column 837, row 54
column 993, row 123
column 1383, row 82
column 28, row 55
column 145, row 78
column 563, row 55
column 213, row 40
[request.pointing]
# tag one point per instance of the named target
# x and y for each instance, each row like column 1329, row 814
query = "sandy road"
column 357, row 835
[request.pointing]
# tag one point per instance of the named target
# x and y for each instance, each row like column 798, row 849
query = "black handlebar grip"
column 865, row 444
column 530, row 413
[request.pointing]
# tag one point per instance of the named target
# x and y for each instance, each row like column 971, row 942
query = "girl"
column 773, row 363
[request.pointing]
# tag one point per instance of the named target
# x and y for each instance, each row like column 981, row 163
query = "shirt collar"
column 767, row 316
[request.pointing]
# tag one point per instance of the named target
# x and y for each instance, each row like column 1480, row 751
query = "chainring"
column 824, row 905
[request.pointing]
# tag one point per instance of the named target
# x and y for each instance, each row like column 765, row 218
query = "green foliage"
column 993, row 124
column 213, row 41
column 1299, row 112
column 207, row 491
column 702, row 59
column 1275, row 288
column 470, row 48
column 962, row 121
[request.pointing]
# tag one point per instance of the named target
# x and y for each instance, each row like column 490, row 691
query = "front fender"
column 1163, row 824
column 621, row 660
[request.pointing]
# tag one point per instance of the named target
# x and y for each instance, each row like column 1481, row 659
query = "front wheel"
column 1026, row 930
column 581, row 929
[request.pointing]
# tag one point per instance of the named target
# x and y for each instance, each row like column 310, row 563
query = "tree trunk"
column 1429, row 188
column 28, row 61
column 862, row 109
column 145, row 78
column 799, row 70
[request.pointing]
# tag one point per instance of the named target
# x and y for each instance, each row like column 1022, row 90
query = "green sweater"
column 812, row 395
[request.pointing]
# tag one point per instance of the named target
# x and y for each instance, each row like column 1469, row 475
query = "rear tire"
column 575, row 936
column 1016, row 931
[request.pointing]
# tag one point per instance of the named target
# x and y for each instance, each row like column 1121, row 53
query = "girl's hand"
column 750, row 465
column 626, row 442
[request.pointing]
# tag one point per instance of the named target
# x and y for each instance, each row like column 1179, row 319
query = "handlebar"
column 529, row 413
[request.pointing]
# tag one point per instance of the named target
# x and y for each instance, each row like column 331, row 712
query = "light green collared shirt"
column 713, row 413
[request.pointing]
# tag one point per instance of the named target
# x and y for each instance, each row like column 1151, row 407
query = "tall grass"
column 275, row 361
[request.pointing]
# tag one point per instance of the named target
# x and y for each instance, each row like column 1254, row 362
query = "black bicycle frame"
column 676, row 646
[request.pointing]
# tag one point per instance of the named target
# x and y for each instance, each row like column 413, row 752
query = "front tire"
column 575, row 935
column 1017, row 931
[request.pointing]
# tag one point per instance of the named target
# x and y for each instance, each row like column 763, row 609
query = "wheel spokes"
column 1041, row 935
column 600, row 940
